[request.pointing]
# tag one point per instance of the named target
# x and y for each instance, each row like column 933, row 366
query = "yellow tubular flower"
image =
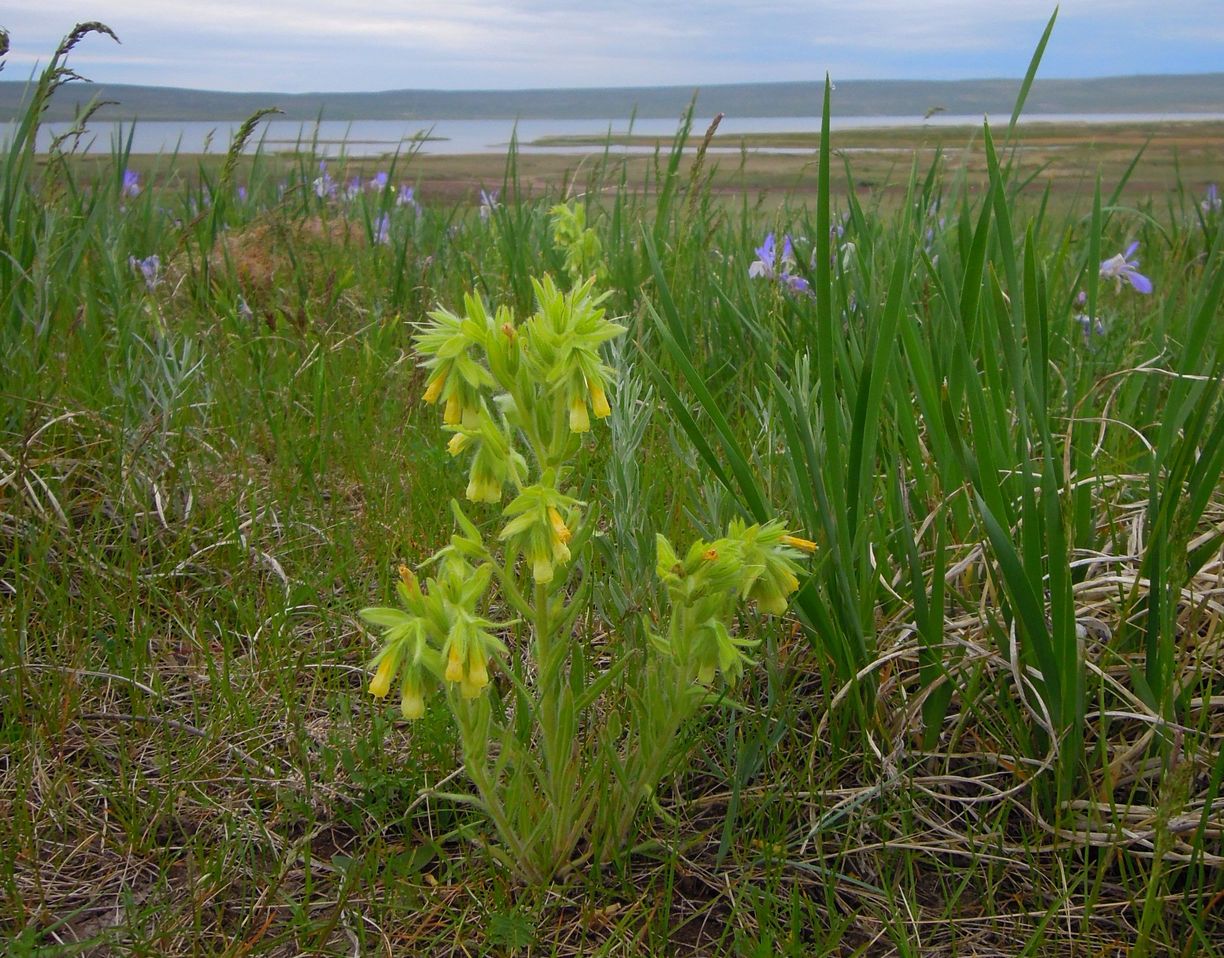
column 380, row 685
column 542, row 569
column 560, row 529
column 454, row 410
column 599, row 401
column 434, row 389
column 478, row 672
column 454, row 666
column 412, row 704
column 771, row 602
column 579, row 421
column 483, row 489
column 803, row 545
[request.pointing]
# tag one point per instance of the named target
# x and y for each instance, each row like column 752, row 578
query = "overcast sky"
column 306, row 45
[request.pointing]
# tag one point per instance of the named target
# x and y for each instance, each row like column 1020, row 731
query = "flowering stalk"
column 518, row 398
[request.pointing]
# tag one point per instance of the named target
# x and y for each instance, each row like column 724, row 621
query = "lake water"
column 453, row 137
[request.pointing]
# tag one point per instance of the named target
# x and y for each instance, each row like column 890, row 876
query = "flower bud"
column 458, row 442
column 803, row 545
column 409, row 578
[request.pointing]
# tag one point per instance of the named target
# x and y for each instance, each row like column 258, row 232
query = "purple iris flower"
column 380, row 180
column 770, row 265
column 766, row 262
column 488, row 203
column 1092, row 326
column 1213, row 202
column 242, row 194
column 354, row 188
column 407, row 197
column 131, row 183
column 382, row 230
column 149, row 268
column 324, row 185
column 1122, row 267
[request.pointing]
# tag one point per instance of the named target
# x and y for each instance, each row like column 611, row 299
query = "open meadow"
column 941, row 413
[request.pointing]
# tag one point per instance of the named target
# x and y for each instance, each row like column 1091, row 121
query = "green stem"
column 654, row 753
column 473, row 762
column 549, row 671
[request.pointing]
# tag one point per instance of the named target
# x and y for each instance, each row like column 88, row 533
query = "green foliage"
column 569, row 724
column 997, row 707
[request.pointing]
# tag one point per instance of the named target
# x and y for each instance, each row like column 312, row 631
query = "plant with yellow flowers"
column 540, row 725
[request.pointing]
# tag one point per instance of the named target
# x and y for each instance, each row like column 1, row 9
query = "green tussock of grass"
column 990, row 726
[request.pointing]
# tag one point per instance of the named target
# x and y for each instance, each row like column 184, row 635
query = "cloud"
column 307, row 44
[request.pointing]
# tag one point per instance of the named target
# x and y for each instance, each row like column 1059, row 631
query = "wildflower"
column 560, row 529
column 149, row 268
column 495, row 460
column 538, row 530
column 770, row 265
column 579, row 421
column 765, row 264
column 354, row 188
column 324, row 185
column 769, row 567
column 412, row 700
column 407, row 646
column 1212, row 203
column 1122, row 267
column 407, row 197
column 455, row 375
column 131, row 183
column 564, row 337
column 803, row 545
column 488, row 203
column 716, row 650
column 469, row 646
column 242, row 194
column 379, row 182
column 380, row 685
column 382, row 230
column 599, row 401
column 1092, row 325
column 580, row 244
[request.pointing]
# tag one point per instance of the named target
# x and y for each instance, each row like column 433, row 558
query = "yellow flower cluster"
column 753, row 562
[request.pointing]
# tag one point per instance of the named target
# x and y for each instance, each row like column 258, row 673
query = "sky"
column 295, row 46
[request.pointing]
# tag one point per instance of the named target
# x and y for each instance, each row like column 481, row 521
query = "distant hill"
column 1190, row 93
